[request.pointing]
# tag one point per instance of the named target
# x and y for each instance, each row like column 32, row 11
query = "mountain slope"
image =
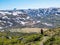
column 43, row 17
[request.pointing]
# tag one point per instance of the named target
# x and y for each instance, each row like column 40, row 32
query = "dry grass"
column 28, row 30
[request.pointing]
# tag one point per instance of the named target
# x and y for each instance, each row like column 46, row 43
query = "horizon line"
column 29, row 8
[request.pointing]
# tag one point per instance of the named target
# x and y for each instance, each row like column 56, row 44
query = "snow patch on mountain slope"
column 47, row 24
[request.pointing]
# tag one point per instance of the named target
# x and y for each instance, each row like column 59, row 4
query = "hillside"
column 55, row 37
column 50, row 37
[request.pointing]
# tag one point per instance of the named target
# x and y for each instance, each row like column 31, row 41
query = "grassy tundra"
column 30, row 36
column 27, row 30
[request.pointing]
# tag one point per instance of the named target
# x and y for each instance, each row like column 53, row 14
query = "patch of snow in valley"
column 47, row 24
column 2, row 13
column 27, row 17
column 10, row 23
column 14, row 13
column 39, row 15
column 38, row 21
column 23, row 23
column 4, row 17
column 1, row 27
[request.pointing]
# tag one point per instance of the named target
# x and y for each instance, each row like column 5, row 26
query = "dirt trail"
column 45, row 38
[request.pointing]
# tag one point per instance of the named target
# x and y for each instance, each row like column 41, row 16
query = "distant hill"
column 41, row 18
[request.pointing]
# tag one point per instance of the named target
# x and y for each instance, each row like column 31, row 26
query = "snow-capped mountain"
column 43, row 17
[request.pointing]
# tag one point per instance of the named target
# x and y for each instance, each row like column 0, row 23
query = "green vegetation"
column 17, row 38
column 55, row 37
column 49, row 37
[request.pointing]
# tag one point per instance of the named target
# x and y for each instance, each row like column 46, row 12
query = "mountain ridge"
column 42, row 17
